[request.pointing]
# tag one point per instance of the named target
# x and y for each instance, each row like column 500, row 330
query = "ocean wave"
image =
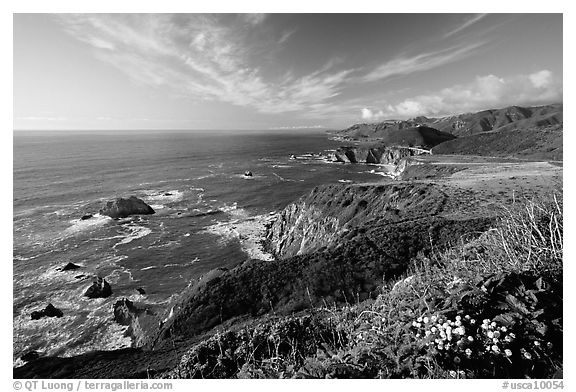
column 79, row 225
column 379, row 173
column 182, row 265
column 136, row 232
column 248, row 231
column 199, row 213
column 170, row 196
column 148, row 268
column 234, row 211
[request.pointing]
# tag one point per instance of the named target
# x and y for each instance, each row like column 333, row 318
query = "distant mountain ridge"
column 509, row 118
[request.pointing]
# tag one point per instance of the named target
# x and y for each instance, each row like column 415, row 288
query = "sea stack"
column 99, row 289
column 49, row 311
column 122, row 208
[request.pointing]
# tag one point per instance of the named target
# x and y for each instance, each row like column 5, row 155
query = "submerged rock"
column 48, row 311
column 86, row 216
column 99, row 289
column 70, row 267
column 141, row 290
column 122, row 208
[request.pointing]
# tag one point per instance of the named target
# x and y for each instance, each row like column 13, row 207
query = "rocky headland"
column 357, row 265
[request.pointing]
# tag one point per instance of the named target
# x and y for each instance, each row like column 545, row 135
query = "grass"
column 505, row 284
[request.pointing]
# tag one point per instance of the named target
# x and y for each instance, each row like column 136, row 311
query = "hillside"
column 358, row 269
column 509, row 118
column 404, row 134
column 543, row 143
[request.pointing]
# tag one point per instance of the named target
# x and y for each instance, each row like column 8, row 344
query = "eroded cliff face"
column 375, row 155
column 321, row 218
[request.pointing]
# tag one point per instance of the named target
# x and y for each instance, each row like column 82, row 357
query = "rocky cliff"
column 375, row 155
column 320, row 218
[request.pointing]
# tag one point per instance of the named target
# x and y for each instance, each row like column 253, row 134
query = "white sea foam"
column 170, row 196
column 182, row 265
column 248, row 231
column 148, row 268
column 234, row 211
column 79, row 225
column 136, row 232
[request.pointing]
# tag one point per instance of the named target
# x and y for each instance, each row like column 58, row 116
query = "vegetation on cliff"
column 489, row 307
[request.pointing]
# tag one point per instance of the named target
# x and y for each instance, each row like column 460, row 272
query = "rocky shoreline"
column 338, row 245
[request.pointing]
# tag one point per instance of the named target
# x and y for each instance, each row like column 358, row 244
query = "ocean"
column 208, row 215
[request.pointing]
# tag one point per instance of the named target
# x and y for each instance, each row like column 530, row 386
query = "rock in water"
column 142, row 322
column 247, row 173
column 87, row 216
column 141, row 290
column 70, row 267
column 122, row 208
column 48, row 311
column 125, row 311
column 99, row 289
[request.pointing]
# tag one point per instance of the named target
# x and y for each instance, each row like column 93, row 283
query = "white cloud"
column 203, row 57
column 541, row 79
column 485, row 92
column 467, row 23
column 254, row 19
column 285, row 36
column 370, row 115
column 404, row 65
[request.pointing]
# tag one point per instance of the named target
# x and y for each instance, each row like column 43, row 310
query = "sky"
column 276, row 71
